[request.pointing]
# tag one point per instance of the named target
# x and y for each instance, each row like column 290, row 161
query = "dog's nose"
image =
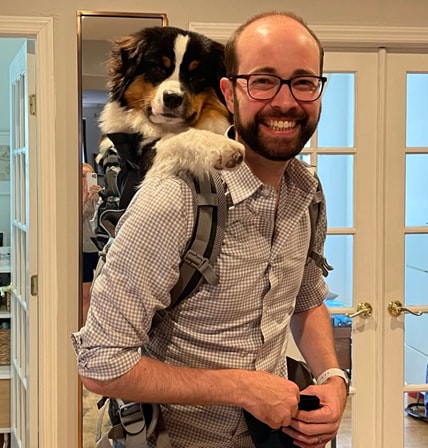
column 172, row 100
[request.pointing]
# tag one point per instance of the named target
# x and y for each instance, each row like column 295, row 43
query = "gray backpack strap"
column 317, row 214
column 210, row 206
column 132, row 430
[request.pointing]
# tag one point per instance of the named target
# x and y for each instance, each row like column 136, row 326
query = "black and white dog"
column 166, row 104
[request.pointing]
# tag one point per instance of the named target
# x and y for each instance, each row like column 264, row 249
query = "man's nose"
column 284, row 96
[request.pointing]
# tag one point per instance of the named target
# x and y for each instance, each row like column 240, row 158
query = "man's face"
column 277, row 128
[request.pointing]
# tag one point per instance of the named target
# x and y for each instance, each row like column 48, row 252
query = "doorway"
column 48, row 405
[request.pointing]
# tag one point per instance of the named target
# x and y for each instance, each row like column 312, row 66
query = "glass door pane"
column 337, row 124
column 416, row 112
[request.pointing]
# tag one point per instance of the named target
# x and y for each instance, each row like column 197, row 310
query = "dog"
column 166, row 103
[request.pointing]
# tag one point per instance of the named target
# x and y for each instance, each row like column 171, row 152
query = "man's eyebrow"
column 273, row 71
column 304, row 72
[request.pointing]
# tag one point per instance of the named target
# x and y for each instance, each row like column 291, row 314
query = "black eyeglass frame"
column 322, row 79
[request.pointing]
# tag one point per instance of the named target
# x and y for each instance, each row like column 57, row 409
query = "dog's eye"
column 155, row 70
column 198, row 78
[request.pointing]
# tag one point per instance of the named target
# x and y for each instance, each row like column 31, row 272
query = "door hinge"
column 33, row 104
column 34, row 285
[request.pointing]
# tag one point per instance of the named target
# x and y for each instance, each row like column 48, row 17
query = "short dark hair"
column 230, row 56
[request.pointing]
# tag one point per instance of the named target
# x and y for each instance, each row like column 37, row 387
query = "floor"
column 416, row 431
column 90, row 419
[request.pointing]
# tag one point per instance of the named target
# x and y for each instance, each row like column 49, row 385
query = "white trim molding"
column 215, row 31
column 51, row 397
column 371, row 36
column 333, row 36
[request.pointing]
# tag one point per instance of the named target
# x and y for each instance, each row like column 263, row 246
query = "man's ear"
column 226, row 87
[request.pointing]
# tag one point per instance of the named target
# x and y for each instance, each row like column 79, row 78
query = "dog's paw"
column 230, row 154
column 211, row 150
column 197, row 151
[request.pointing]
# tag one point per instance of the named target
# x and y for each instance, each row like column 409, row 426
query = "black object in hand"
column 265, row 437
column 309, row 402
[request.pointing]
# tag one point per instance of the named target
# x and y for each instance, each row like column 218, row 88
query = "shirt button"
column 266, row 191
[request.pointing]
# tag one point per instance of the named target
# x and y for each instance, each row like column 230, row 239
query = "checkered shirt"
column 242, row 323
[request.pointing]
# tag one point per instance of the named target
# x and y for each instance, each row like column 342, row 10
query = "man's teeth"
column 279, row 125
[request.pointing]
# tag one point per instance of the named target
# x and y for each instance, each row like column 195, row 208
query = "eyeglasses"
column 265, row 87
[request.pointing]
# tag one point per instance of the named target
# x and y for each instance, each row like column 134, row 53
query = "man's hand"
column 270, row 398
column 316, row 428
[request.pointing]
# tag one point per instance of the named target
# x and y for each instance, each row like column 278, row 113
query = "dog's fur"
column 163, row 85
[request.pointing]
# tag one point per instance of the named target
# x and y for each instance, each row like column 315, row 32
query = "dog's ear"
column 126, row 55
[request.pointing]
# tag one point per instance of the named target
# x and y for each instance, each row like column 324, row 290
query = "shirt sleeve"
column 314, row 289
column 142, row 266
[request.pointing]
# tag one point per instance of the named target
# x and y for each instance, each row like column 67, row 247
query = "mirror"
column 95, row 33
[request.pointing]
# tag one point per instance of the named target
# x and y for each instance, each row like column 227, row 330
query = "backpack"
column 133, row 423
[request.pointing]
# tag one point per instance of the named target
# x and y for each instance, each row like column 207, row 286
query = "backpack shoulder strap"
column 318, row 219
column 210, row 211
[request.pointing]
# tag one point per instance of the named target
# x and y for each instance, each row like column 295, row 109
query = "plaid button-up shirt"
column 242, row 323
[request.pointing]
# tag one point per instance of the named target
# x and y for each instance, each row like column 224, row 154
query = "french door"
column 405, row 303
column 24, row 305
column 371, row 153
column 344, row 151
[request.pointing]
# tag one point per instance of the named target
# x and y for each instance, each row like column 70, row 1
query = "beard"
column 274, row 148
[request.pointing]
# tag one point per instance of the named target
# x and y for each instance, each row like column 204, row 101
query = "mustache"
column 291, row 115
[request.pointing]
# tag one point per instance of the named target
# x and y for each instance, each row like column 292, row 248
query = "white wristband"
column 322, row 379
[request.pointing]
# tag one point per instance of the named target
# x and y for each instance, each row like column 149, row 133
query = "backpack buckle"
column 132, row 417
column 201, row 264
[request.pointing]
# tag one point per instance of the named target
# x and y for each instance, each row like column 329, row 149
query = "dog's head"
column 170, row 77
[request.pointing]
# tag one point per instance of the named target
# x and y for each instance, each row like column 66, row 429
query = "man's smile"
column 281, row 125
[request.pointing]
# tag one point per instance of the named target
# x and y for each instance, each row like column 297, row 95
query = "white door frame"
column 50, row 396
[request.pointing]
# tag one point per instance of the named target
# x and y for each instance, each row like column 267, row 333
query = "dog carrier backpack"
column 133, row 422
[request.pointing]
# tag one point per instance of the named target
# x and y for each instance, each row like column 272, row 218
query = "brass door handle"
column 396, row 308
column 5, row 290
column 364, row 309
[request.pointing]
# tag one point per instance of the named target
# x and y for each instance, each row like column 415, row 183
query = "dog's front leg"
column 197, row 151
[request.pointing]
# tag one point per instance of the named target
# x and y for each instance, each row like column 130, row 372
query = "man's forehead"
column 279, row 39
column 265, row 26
column 273, row 30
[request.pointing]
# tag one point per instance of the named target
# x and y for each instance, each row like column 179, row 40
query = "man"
column 223, row 349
